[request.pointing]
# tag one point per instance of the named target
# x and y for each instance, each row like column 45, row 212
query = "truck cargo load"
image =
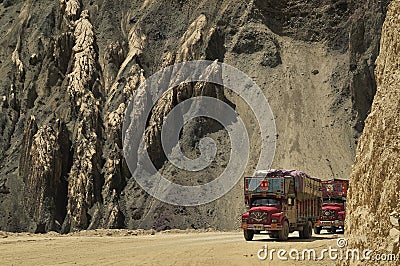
column 335, row 188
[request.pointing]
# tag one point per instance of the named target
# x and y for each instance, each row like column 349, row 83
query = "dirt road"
column 150, row 248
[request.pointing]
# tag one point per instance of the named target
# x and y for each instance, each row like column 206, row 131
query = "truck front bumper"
column 330, row 224
column 262, row 227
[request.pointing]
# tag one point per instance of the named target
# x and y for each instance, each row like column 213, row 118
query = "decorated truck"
column 334, row 193
column 280, row 202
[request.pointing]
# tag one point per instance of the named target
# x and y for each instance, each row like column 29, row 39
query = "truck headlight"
column 274, row 220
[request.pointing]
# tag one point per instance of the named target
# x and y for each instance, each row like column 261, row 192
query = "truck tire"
column 283, row 235
column 274, row 234
column 248, row 234
column 317, row 230
column 306, row 233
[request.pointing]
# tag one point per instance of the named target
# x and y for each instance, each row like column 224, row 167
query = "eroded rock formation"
column 85, row 172
column 43, row 165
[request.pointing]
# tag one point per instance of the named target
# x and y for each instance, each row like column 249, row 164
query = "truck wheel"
column 248, row 235
column 317, row 230
column 307, row 231
column 284, row 233
column 301, row 233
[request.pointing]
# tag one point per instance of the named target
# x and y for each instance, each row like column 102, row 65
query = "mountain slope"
column 69, row 68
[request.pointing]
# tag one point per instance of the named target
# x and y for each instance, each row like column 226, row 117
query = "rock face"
column 82, row 90
column 374, row 195
column 43, row 164
column 69, row 68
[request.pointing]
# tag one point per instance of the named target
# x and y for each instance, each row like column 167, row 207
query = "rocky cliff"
column 69, row 68
column 374, row 195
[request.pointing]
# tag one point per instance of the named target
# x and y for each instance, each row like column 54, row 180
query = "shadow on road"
column 295, row 238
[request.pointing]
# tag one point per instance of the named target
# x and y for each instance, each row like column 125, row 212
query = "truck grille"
column 258, row 217
column 328, row 214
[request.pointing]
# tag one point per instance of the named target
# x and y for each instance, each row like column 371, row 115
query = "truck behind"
column 334, row 193
column 280, row 202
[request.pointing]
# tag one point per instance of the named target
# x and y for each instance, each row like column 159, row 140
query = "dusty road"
column 143, row 248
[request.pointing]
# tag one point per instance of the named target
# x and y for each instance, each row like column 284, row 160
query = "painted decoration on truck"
column 264, row 184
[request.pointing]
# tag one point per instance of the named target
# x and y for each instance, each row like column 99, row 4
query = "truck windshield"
column 265, row 202
column 330, row 200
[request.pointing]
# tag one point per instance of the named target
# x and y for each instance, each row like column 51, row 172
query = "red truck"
column 280, row 202
column 334, row 193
